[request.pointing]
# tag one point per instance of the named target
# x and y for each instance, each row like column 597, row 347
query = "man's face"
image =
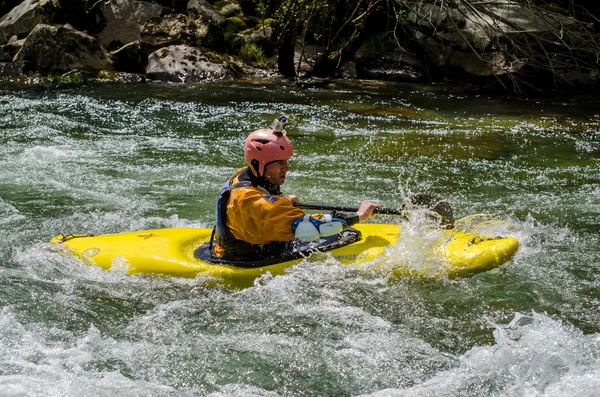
column 275, row 172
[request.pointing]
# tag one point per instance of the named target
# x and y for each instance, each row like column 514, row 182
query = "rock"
column 5, row 55
column 178, row 29
column 61, row 49
column 176, row 6
column 394, row 66
column 23, row 18
column 262, row 36
column 124, row 19
column 405, row 74
column 479, row 40
column 313, row 82
column 203, row 7
column 9, row 70
column 232, row 9
column 478, row 65
column 229, row 8
column 109, row 76
column 8, row 51
column 186, row 64
column 130, row 58
column 83, row 15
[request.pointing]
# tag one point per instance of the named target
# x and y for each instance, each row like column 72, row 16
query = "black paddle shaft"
column 342, row 208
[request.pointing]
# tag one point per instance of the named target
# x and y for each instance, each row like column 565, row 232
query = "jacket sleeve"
column 259, row 217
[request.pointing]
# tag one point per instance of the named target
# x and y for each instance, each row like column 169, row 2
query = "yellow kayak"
column 182, row 252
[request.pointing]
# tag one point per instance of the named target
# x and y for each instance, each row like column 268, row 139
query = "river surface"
column 107, row 159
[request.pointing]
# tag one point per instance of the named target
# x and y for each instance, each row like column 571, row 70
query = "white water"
column 109, row 160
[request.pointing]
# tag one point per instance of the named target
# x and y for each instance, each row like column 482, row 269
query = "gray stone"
column 261, row 36
column 10, row 70
column 23, row 18
column 477, row 39
column 61, row 49
column 178, row 29
column 186, row 64
column 124, row 19
column 232, row 9
column 204, row 8
column 480, row 65
column 8, row 51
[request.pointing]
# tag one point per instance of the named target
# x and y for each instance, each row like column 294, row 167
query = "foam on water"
column 533, row 356
column 103, row 160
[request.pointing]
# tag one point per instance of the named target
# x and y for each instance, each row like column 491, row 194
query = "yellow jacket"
column 258, row 217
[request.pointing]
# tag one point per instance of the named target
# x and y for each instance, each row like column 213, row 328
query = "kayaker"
column 254, row 219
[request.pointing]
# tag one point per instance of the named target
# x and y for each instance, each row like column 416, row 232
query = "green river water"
column 105, row 159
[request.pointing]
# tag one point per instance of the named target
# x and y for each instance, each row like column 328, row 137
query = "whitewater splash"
column 533, row 356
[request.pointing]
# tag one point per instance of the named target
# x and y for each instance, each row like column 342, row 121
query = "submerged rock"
column 61, row 49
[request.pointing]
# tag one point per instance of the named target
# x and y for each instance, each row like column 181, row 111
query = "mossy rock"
column 236, row 23
column 220, row 4
column 228, row 8
column 229, row 35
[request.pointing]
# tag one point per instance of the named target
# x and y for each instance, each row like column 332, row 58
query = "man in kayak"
column 254, row 219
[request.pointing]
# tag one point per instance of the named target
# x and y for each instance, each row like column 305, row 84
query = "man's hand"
column 365, row 211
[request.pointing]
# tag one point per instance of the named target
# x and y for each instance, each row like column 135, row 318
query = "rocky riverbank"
column 501, row 43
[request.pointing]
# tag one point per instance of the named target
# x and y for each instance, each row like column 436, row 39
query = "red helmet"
column 264, row 146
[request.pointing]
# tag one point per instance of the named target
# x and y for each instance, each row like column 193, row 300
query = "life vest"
column 233, row 247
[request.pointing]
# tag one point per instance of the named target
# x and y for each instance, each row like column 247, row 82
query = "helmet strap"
column 254, row 164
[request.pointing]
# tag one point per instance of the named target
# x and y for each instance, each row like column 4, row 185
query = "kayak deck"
column 170, row 252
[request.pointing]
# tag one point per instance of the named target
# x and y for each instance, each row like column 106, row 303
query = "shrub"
column 252, row 53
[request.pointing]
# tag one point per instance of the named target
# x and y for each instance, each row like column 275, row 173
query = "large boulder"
column 204, row 8
column 124, row 19
column 178, row 29
column 483, row 39
column 23, row 18
column 61, row 49
column 187, row 64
